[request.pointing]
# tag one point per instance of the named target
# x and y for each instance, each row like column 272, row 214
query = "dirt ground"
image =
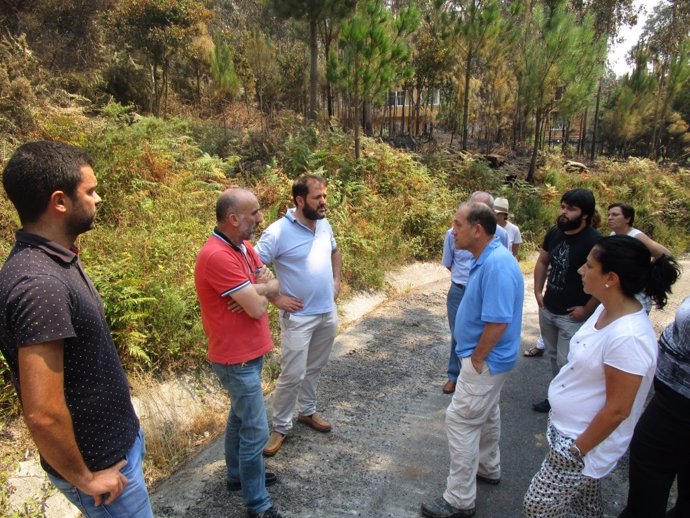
column 387, row 452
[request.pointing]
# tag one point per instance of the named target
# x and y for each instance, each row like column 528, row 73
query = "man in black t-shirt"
column 565, row 306
column 55, row 339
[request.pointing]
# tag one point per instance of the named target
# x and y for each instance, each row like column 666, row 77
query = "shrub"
column 385, row 209
column 160, row 178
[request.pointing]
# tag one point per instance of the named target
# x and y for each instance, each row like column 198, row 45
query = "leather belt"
column 457, row 284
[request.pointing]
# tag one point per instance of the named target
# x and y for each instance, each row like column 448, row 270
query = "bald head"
column 483, row 197
column 238, row 213
column 230, row 202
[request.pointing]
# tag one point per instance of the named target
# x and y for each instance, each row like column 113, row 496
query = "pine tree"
column 313, row 11
column 226, row 84
column 476, row 22
column 373, row 52
column 554, row 45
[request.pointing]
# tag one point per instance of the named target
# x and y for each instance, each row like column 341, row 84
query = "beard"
column 247, row 233
column 80, row 223
column 566, row 224
column 312, row 214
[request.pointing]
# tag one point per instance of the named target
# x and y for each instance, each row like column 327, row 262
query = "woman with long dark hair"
column 597, row 397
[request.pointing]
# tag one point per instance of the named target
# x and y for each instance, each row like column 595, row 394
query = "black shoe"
column 542, row 407
column 237, row 486
column 442, row 509
column 268, row 513
column 487, row 480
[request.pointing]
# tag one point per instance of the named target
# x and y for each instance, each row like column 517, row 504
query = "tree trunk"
column 165, row 89
column 466, row 102
column 313, row 71
column 516, row 118
column 416, row 111
column 566, row 134
column 356, row 103
column 367, row 114
column 656, row 128
column 329, row 97
column 383, row 121
column 583, row 133
column 402, row 118
column 154, row 86
column 454, row 125
column 535, row 147
column 410, row 113
column 550, row 126
column 595, row 123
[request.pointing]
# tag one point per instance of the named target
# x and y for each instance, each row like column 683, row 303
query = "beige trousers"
column 473, row 427
column 306, row 344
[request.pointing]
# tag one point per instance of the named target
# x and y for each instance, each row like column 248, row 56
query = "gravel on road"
column 388, row 452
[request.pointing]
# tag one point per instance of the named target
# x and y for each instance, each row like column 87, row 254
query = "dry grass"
column 179, row 417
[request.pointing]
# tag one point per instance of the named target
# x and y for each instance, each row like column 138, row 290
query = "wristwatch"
column 576, row 451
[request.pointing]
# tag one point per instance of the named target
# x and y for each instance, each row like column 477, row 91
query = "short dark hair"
column 627, row 210
column 582, row 199
column 36, row 170
column 480, row 213
column 301, row 185
column 630, row 259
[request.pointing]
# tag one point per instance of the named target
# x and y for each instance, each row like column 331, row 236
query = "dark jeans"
column 455, row 294
column 660, row 452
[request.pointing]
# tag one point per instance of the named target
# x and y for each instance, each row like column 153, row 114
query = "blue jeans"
column 455, row 294
column 246, row 433
column 133, row 502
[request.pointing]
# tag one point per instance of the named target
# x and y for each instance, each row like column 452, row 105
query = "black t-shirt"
column 45, row 296
column 567, row 253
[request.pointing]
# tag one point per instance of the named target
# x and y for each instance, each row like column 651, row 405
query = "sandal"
column 534, row 351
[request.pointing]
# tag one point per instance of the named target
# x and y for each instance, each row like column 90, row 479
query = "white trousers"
column 306, row 343
column 473, row 427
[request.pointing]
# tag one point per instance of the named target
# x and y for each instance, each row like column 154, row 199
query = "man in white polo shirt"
column 307, row 261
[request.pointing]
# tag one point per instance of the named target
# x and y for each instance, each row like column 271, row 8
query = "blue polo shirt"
column 302, row 260
column 458, row 260
column 494, row 294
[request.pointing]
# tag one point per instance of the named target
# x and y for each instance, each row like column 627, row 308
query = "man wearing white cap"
column 514, row 236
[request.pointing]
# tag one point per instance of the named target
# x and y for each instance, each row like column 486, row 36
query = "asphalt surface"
column 388, row 452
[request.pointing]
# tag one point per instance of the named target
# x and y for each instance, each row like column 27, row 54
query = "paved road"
column 388, row 451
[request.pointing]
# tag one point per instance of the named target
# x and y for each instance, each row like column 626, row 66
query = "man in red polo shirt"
column 233, row 285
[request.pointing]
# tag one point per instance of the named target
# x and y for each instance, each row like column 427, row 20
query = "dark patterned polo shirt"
column 46, row 296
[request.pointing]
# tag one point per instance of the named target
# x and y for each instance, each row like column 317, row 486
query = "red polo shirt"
column 222, row 269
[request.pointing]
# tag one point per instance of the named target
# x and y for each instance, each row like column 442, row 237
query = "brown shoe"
column 275, row 441
column 316, row 422
column 449, row 387
column 533, row 352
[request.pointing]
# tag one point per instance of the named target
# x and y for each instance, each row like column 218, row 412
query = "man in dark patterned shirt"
column 55, row 339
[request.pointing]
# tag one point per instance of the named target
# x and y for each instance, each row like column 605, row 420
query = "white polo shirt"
column 578, row 392
column 302, row 261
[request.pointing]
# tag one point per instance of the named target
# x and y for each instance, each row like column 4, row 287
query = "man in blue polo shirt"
column 487, row 332
column 307, row 261
column 458, row 263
